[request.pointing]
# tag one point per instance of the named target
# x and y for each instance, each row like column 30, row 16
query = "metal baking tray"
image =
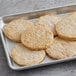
column 8, row 44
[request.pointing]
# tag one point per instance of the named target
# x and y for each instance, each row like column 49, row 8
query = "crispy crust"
column 61, row 49
column 25, row 57
column 66, row 28
column 49, row 22
column 37, row 38
column 14, row 29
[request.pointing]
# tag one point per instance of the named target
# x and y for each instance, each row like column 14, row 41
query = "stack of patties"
column 64, row 45
column 31, row 41
column 50, row 34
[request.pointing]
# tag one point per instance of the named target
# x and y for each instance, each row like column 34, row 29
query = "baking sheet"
column 8, row 44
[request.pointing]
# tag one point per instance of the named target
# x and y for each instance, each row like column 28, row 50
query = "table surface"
column 19, row 6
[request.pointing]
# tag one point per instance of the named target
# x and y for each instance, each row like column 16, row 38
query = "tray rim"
column 39, row 10
column 34, row 66
column 62, row 8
